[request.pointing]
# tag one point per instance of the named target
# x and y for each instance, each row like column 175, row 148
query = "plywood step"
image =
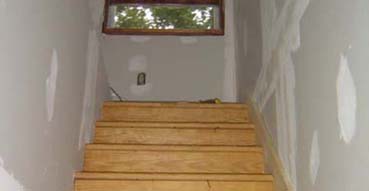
column 174, row 177
column 174, row 112
column 175, row 104
column 188, row 125
column 173, row 159
column 162, row 185
column 174, row 146
column 162, row 136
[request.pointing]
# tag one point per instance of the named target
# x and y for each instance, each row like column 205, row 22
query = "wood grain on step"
column 174, row 146
column 175, row 104
column 173, row 161
column 186, row 148
column 187, row 125
column 175, row 136
column 174, row 114
column 175, row 176
column 127, row 185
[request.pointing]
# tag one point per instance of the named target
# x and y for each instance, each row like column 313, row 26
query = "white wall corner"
column 281, row 37
column 93, row 69
column 230, row 78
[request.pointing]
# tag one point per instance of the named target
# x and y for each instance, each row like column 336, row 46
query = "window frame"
column 172, row 32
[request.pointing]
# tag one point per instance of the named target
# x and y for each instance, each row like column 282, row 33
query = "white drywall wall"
column 178, row 68
column 276, row 83
column 43, row 46
column 96, row 83
column 248, row 46
column 315, row 66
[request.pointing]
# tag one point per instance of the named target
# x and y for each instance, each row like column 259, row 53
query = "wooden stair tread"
column 157, row 136
column 166, row 146
column 179, row 125
column 161, row 185
column 174, row 148
column 172, row 176
column 176, row 104
column 173, row 159
column 174, row 112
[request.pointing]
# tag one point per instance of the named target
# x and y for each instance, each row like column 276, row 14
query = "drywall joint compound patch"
column 245, row 38
column 140, row 39
column 141, row 90
column 281, row 34
column 7, row 180
column 187, row 40
column 347, row 101
column 138, row 63
column 51, row 85
column 314, row 158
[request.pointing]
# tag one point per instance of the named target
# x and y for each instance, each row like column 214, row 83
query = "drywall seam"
column 245, row 37
column 281, row 37
column 314, row 158
column 97, row 13
column 347, row 101
column 230, row 78
column 51, row 85
column 7, row 180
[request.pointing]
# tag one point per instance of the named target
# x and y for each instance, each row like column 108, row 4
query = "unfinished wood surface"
column 136, row 185
column 175, row 177
column 175, row 104
column 173, row 161
column 174, row 112
column 191, row 148
column 272, row 159
column 174, row 146
column 120, row 124
column 164, row 136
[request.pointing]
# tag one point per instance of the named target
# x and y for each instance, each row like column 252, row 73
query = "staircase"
column 174, row 147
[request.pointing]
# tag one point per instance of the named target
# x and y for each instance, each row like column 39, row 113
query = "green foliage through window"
column 130, row 16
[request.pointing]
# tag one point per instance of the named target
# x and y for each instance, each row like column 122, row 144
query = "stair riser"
column 101, row 185
column 175, row 136
column 174, row 114
column 173, row 161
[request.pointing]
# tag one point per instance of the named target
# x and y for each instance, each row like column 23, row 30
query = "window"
column 164, row 17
